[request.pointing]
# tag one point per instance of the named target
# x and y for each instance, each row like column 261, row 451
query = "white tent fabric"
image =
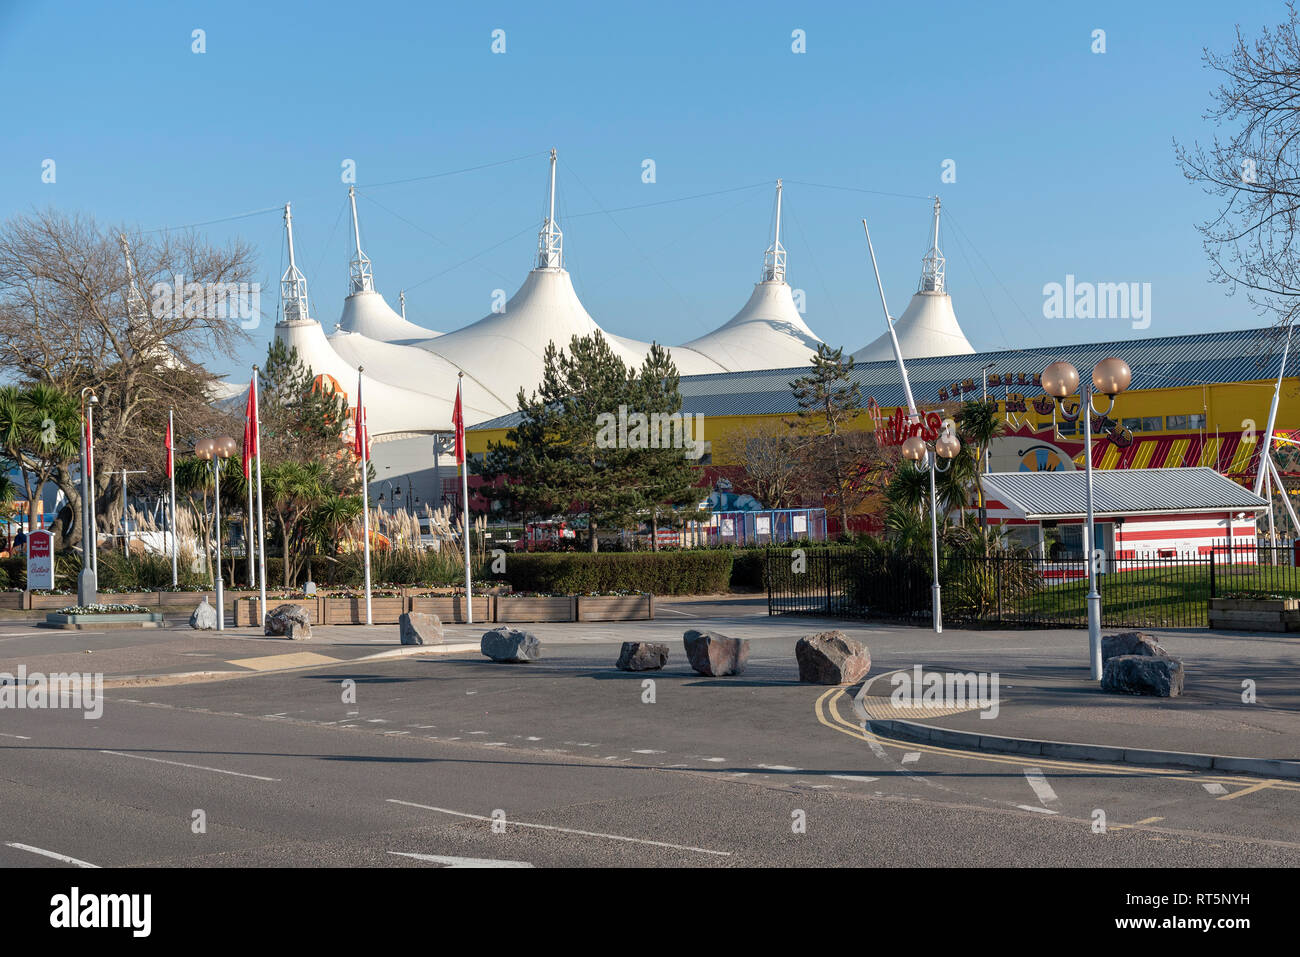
column 928, row 328
column 366, row 312
column 767, row 333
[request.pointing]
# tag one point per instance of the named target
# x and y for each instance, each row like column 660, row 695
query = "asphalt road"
column 578, row 767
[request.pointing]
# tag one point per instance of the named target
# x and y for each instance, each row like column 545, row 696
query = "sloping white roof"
column 389, row 409
column 505, row 349
column 366, row 312
column 767, row 333
column 928, row 328
column 688, row 361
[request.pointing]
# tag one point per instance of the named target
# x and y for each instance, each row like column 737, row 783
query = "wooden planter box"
column 51, row 602
column 189, row 599
column 451, row 608
column 1255, row 614
column 616, row 608
column 352, row 611
column 247, row 612
column 13, row 600
column 510, row 608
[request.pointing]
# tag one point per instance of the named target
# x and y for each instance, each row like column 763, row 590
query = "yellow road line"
column 1251, row 789
column 831, row 698
column 1145, row 820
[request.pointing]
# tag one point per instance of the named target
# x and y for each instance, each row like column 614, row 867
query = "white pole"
column 464, row 492
column 93, row 526
column 257, row 448
column 1272, row 416
column 1094, row 597
column 216, row 502
column 248, row 539
column 171, row 454
column 365, row 488
column 912, row 414
column 936, row 601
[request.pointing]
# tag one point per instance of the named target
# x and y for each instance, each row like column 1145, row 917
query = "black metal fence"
column 1153, row 591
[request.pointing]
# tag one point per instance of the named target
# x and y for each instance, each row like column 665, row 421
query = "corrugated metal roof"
column 1210, row 357
column 1119, row 492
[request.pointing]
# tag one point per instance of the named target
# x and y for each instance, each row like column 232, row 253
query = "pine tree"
column 829, row 400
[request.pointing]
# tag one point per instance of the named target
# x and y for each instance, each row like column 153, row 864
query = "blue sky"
column 1064, row 158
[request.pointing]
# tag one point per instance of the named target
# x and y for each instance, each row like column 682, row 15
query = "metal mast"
column 402, row 298
column 293, row 284
column 1266, row 451
column 774, row 258
column 362, row 276
column 913, row 416
column 550, row 241
column 933, row 262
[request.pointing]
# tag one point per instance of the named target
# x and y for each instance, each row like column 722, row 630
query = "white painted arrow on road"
column 461, row 861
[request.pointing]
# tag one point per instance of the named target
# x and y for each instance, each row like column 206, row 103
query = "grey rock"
column 831, row 658
column 642, row 656
column 511, row 645
column 204, row 617
column 714, row 654
column 291, row 621
column 417, row 628
column 1131, row 643
column 1153, row 675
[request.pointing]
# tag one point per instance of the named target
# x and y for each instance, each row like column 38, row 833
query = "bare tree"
column 1253, row 168
column 72, row 317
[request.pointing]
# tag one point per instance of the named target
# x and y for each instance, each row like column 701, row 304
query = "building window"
column 1133, row 425
column 1151, row 423
column 1185, row 421
column 1196, row 421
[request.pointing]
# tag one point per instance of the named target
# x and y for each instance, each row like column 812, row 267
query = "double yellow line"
column 827, row 710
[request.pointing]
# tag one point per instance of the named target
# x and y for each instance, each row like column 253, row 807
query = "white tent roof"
column 928, row 328
column 366, row 312
column 767, row 333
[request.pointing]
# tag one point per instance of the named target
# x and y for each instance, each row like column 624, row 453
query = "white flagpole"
column 257, row 448
column 464, row 497
column 171, row 455
column 362, row 439
column 248, row 544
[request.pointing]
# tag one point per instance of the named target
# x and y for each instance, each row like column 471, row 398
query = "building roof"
column 927, row 328
column 1056, row 495
column 1197, row 359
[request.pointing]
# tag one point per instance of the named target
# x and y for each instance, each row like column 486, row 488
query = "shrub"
column 661, row 573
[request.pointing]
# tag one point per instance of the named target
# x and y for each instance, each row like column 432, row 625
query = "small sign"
column 40, row 560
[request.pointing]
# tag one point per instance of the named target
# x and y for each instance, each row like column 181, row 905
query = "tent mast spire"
column 362, row 276
column 550, row 242
column 774, row 258
column 293, row 284
column 933, row 262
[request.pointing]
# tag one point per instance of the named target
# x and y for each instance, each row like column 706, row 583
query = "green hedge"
column 660, row 573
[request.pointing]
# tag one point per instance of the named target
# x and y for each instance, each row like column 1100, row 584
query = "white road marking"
column 453, row 862
column 397, row 732
column 196, row 767
column 532, row 738
column 779, row 767
column 566, row 830
column 1215, row 788
column 861, row 778
column 1041, row 788
column 20, row 737
column 1040, row 810
column 57, row 857
column 647, row 751
column 911, row 757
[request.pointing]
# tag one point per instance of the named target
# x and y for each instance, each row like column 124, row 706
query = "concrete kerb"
column 1069, row 750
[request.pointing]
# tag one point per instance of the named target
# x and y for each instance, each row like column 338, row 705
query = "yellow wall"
column 1230, row 407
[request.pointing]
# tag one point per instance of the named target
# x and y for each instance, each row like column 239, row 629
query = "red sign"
column 40, row 560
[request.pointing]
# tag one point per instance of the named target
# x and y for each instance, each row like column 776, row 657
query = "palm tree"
column 327, row 522
column 978, row 424
column 294, row 490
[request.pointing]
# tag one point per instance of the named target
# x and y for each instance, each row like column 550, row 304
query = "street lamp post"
column 917, row 450
column 87, row 584
column 1110, row 377
column 217, row 451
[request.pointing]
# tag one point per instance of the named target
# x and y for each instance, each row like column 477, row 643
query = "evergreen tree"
column 835, row 457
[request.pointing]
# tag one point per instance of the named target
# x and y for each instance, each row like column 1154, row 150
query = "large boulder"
column 511, row 645
column 831, row 658
column 204, row 617
column 1131, row 643
column 715, row 655
column 417, row 628
column 291, row 621
column 1155, row 675
column 642, row 656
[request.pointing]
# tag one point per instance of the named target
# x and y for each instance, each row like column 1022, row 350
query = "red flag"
column 361, row 439
column 169, row 446
column 458, row 420
column 250, row 429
